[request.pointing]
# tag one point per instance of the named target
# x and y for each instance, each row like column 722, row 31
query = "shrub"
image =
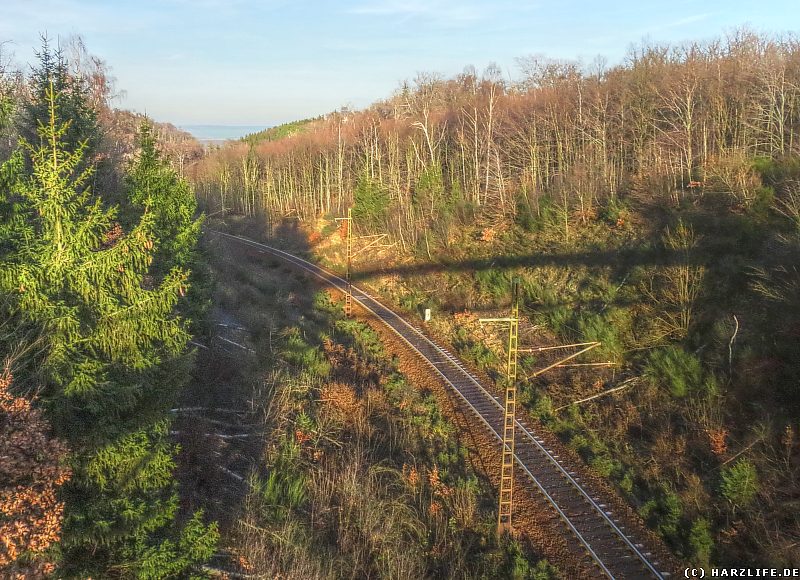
column 764, row 199
column 740, row 483
column 525, row 217
column 543, row 408
column 430, row 187
column 663, row 512
column 614, row 212
column 482, row 356
column 776, row 171
column 679, row 370
column 537, row 216
column 301, row 354
column 627, row 482
column 558, row 318
column 412, row 301
column 366, row 340
column 517, row 567
column 582, row 445
column 329, row 228
column 603, row 329
column 495, row 283
column 543, row 571
column 701, row 541
column 370, row 202
column 604, row 465
column 476, row 352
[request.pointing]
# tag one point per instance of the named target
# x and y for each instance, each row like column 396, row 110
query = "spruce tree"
column 8, row 105
column 71, row 93
column 112, row 359
column 153, row 184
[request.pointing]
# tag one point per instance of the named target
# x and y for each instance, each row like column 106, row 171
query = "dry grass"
column 328, row 497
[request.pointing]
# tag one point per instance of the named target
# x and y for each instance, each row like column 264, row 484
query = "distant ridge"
column 279, row 131
column 220, row 133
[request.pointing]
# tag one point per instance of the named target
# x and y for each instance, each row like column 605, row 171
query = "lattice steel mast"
column 510, row 407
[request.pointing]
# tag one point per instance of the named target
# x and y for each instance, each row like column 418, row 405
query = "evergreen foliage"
column 370, row 202
column 664, row 512
column 740, row 483
column 680, row 371
column 277, row 132
column 516, row 566
column 71, row 95
column 8, row 107
column 155, row 187
column 78, row 276
column 701, row 541
column 112, row 356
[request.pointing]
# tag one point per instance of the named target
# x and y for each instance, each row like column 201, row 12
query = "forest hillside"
column 653, row 206
column 177, row 402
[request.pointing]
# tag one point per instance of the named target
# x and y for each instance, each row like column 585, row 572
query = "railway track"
column 615, row 553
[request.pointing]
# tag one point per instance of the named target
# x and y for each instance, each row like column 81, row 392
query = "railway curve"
column 614, row 551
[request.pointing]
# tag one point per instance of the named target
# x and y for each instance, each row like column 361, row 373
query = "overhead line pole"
column 507, row 460
column 348, row 299
column 509, row 411
column 348, row 228
column 376, row 239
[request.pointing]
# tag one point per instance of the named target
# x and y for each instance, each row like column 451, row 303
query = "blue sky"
column 253, row 62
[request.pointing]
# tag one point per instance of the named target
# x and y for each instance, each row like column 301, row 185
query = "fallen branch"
column 222, row 435
column 223, row 423
column 730, row 345
column 746, row 449
column 239, row 436
column 230, row 473
column 222, row 338
column 623, row 385
column 197, row 409
column 233, row 326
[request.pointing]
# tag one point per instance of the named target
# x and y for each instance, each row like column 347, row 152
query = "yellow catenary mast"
column 372, row 242
column 509, row 409
column 509, row 412
column 348, row 232
column 348, row 298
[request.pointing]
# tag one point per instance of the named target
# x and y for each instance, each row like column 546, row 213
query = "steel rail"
column 387, row 316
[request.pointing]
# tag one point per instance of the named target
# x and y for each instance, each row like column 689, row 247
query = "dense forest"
column 652, row 205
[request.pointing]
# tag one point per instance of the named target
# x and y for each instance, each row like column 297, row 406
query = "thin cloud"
column 440, row 12
column 25, row 20
column 694, row 18
column 688, row 20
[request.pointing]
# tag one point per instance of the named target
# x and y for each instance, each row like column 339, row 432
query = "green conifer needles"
column 113, row 345
column 84, row 280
